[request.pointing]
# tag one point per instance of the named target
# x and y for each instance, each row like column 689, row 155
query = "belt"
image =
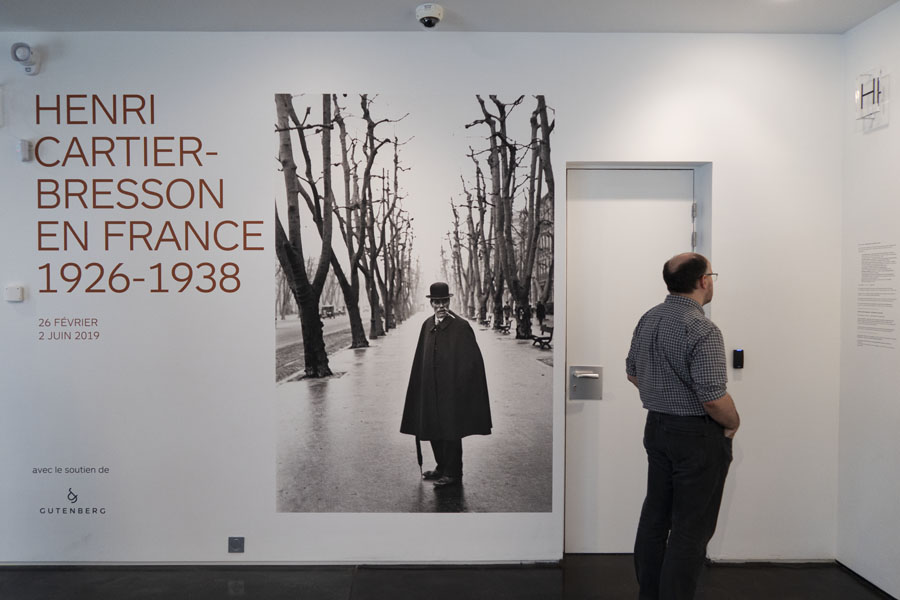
column 668, row 417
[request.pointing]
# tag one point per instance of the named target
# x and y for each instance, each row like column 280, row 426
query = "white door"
column 622, row 225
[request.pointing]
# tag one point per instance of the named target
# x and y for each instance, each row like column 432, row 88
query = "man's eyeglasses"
column 712, row 276
column 440, row 301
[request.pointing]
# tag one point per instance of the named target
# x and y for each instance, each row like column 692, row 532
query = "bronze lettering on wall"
column 76, row 191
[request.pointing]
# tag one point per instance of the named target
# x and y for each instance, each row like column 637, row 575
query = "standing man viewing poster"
column 677, row 362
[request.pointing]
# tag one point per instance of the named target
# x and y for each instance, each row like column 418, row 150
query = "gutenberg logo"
column 72, row 497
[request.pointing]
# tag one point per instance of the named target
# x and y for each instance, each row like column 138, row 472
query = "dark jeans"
column 448, row 455
column 688, row 459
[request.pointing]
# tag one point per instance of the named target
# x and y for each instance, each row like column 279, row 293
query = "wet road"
column 288, row 331
column 340, row 449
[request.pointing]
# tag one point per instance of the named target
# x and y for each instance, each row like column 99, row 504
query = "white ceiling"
column 651, row 16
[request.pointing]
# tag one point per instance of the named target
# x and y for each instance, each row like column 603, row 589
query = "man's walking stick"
column 419, row 453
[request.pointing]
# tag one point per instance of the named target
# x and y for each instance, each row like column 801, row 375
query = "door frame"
column 702, row 194
column 702, row 174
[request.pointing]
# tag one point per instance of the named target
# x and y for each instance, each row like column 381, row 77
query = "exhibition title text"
column 153, row 181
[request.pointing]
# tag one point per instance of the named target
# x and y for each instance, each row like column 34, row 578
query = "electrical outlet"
column 235, row 544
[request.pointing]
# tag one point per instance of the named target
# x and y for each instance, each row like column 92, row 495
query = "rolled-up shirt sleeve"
column 708, row 368
column 630, row 364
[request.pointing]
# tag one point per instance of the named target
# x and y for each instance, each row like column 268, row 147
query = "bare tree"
column 380, row 225
column 371, row 146
column 289, row 246
column 352, row 226
column 461, row 266
column 483, row 259
column 404, row 278
column 396, row 229
column 479, row 254
column 485, row 244
column 516, row 245
column 545, row 257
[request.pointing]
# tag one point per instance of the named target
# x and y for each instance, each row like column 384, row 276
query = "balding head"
column 682, row 272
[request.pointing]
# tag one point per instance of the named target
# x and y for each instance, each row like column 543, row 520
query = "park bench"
column 504, row 327
column 543, row 341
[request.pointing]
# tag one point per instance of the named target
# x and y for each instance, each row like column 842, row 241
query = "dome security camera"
column 26, row 56
column 429, row 15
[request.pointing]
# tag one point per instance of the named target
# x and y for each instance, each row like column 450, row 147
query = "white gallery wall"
column 176, row 399
column 869, row 514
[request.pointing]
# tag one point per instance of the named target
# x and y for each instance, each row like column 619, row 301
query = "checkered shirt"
column 678, row 357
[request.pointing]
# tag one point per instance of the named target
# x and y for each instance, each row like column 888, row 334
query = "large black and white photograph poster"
column 414, row 305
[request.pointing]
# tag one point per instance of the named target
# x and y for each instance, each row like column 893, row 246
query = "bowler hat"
column 439, row 289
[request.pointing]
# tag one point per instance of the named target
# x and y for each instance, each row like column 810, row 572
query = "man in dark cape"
column 447, row 396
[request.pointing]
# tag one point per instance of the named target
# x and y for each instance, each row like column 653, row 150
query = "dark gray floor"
column 578, row 577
